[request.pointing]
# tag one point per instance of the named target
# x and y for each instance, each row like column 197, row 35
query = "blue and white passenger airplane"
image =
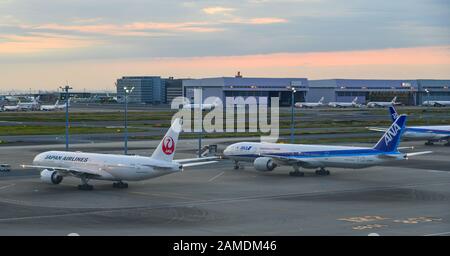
column 267, row 156
column 431, row 133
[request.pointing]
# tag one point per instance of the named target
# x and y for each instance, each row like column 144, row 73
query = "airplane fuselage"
column 312, row 156
column 107, row 166
column 427, row 132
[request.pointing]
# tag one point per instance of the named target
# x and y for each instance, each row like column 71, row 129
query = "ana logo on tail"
column 391, row 133
column 168, row 145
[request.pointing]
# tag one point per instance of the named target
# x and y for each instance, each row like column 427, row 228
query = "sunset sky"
column 90, row 44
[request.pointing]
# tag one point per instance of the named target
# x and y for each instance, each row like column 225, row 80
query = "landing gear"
column 429, row 143
column 120, row 184
column 322, row 172
column 237, row 165
column 84, row 184
column 297, row 172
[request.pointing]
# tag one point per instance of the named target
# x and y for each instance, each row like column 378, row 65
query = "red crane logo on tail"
column 168, row 145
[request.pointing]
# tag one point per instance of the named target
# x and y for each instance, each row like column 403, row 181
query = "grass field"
column 55, row 130
column 137, row 119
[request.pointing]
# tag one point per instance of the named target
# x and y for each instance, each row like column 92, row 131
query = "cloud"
column 130, row 29
column 38, row 43
column 400, row 63
column 261, row 21
column 217, row 10
column 438, row 55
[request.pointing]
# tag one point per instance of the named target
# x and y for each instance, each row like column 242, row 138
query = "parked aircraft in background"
column 63, row 106
column 203, row 106
column 382, row 104
column 33, row 105
column 430, row 133
column 267, row 156
column 436, row 103
column 353, row 104
column 310, row 104
column 56, row 165
column 11, row 107
column 50, row 107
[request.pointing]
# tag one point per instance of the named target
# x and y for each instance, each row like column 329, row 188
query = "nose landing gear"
column 120, row 184
column 322, row 172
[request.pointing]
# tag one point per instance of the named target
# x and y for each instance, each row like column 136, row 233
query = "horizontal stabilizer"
column 377, row 129
column 198, row 159
column 198, row 164
column 418, row 153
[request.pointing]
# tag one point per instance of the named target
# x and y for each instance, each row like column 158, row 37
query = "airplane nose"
column 226, row 151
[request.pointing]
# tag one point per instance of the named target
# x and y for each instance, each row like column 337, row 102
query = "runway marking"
column 363, row 219
column 7, row 186
column 209, row 201
column 417, row 220
column 217, row 176
column 438, row 171
column 370, row 226
column 170, row 195
column 438, row 234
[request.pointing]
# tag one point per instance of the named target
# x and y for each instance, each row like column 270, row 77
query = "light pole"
column 127, row 91
column 428, row 102
column 66, row 90
column 292, row 113
column 201, row 124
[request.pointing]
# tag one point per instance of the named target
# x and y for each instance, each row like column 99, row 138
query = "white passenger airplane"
column 50, row 107
column 55, row 165
column 33, row 105
column 203, row 106
column 11, row 108
column 266, row 156
column 56, row 106
column 382, row 104
column 436, row 103
column 309, row 104
column 353, row 104
column 430, row 133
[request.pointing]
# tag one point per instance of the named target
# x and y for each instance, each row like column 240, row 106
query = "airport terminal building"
column 147, row 89
column 408, row 92
column 223, row 87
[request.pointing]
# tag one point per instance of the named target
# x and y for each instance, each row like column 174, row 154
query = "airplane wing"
column 71, row 171
column 283, row 160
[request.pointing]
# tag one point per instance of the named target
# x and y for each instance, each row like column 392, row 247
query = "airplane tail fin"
column 321, row 100
column 393, row 113
column 391, row 138
column 355, row 100
column 166, row 148
column 57, row 102
column 394, row 99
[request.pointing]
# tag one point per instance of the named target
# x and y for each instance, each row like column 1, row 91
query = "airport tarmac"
column 403, row 198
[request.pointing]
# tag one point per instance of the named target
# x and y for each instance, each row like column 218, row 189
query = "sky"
column 89, row 44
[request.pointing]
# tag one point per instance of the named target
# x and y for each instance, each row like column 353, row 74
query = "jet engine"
column 51, row 177
column 264, row 164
